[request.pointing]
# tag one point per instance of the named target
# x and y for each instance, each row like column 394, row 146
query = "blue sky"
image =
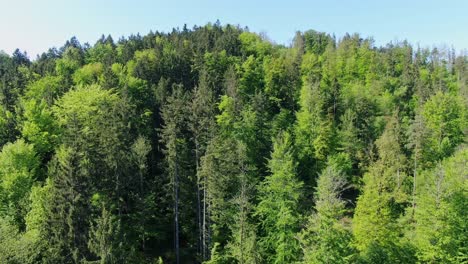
column 35, row 26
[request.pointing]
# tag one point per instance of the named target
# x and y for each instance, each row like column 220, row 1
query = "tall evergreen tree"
column 242, row 246
column 202, row 125
column 277, row 209
column 382, row 201
column 177, row 150
column 327, row 236
column 225, row 167
column 440, row 213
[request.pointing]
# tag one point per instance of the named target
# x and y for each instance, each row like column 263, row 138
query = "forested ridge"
column 216, row 145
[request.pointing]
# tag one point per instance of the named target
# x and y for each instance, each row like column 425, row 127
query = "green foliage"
column 175, row 114
column 327, row 236
column 67, row 209
column 252, row 44
column 379, row 206
column 39, row 126
column 308, row 118
column 18, row 171
column 222, row 168
column 85, row 103
column 251, row 80
column 71, row 60
column 440, row 213
column 36, row 217
column 14, row 248
column 242, row 247
column 281, row 80
column 316, row 42
column 88, row 74
column 7, row 126
column 216, row 145
column 278, row 207
column 227, row 117
column 102, row 52
column 445, row 122
column 102, row 242
column 48, row 88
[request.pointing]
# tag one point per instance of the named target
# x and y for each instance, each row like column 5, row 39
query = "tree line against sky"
column 214, row 145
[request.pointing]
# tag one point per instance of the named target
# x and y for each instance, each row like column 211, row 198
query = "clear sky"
column 35, row 26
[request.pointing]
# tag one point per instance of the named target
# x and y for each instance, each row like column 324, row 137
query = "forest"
column 216, row 145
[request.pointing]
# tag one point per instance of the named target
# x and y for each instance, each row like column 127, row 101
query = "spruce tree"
column 327, row 236
column 202, row 126
column 375, row 225
column 279, row 196
column 177, row 150
column 242, row 246
column 440, row 214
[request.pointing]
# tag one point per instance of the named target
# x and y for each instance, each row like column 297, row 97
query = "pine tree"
column 381, row 202
column 202, row 125
column 224, row 168
column 175, row 140
column 140, row 150
column 309, row 118
column 68, row 210
column 243, row 243
column 440, row 214
column 91, row 163
column 277, row 210
column 327, row 236
column 101, row 238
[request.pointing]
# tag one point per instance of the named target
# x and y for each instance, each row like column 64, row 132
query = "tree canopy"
column 215, row 145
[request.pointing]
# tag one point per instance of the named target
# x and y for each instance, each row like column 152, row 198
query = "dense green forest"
column 216, row 145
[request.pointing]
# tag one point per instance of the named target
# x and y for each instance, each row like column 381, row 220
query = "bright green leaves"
column 251, row 80
column 440, row 212
column 39, row 199
column 18, row 170
column 445, row 120
column 86, row 104
column 102, row 52
column 48, row 88
column 227, row 116
column 381, row 203
column 253, row 44
column 39, row 126
column 327, row 236
column 71, row 60
column 169, row 135
column 89, row 74
column 281, row 80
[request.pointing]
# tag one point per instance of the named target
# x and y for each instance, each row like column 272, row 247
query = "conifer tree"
column 327, row 236
column 440, row 213
column 381, row 203
column 243, row 243
column 175, row 139
column 202, row 125
column 224, row 168
column 277, row 210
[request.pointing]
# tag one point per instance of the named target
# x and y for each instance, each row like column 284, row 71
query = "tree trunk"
column 199, row 220
column 414, row 184
column 204, row 224
column 176, row 213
